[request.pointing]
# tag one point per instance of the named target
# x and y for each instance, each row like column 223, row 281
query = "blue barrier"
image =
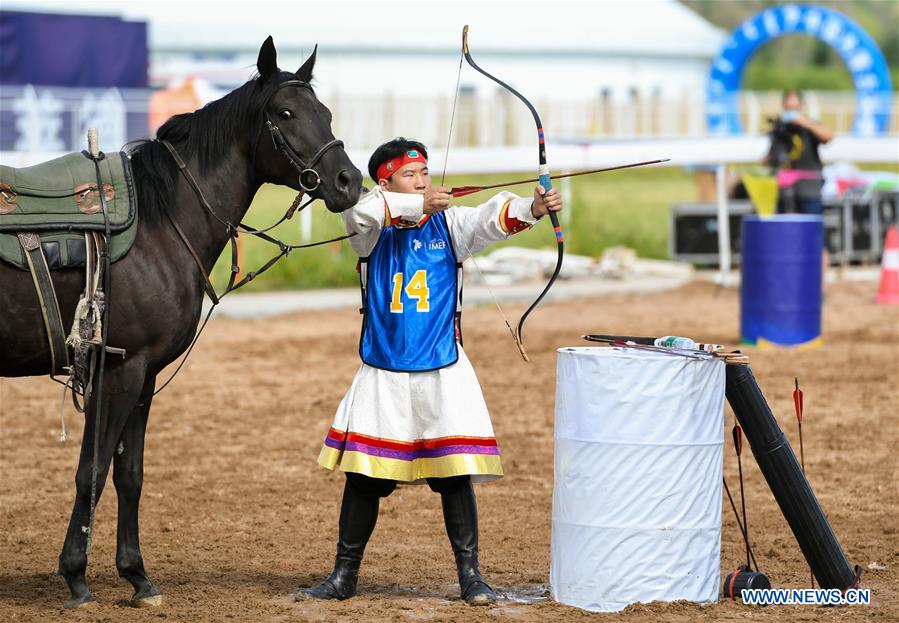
column 780, row 291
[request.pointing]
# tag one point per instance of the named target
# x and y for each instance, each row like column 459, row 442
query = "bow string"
column 544, row 180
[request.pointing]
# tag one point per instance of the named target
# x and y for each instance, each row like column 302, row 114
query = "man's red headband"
column 393, row 165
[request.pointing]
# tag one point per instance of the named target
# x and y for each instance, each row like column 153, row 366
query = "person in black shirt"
column 794, row 153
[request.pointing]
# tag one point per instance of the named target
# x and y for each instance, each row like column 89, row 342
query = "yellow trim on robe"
column 411, row 471
column 502, row 216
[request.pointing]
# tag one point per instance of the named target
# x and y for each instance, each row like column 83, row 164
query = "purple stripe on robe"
column 409, row 455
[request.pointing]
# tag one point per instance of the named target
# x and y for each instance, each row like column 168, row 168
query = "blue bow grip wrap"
column 546, row 182
column 547, row 185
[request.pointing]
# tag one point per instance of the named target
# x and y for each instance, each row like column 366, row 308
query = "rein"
column 234, row 230
column 309, row 178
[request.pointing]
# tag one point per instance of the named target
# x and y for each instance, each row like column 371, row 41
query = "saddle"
column 57, row 215
column 59, row 200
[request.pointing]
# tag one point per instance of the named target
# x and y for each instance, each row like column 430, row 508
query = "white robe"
column 408, row 426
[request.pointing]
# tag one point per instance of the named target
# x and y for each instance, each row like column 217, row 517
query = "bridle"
column 309, row 179
column 308, row 186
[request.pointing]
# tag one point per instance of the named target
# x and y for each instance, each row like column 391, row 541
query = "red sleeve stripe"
column 420, row 444
column 508, row 224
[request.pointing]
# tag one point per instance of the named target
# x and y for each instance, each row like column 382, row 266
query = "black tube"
column 794, row 496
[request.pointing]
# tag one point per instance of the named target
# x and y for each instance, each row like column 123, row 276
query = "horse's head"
column 295, row 146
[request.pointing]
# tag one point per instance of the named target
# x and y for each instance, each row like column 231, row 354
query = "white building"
column 390, row 67
column 409, row 48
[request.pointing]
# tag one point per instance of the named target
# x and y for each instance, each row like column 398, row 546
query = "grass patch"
column 628, row 208
column 619, row 208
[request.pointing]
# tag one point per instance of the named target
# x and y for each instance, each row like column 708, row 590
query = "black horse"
column 156, row 290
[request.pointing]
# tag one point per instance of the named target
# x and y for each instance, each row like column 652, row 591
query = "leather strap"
column 284, row 249
column 233, row 231
column 207, row 284
column 182, row 166
column 46, row 296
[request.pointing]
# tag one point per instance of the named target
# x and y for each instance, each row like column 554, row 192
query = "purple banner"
column 72, row 50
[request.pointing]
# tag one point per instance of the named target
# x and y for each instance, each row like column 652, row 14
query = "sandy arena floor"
column 236, row 513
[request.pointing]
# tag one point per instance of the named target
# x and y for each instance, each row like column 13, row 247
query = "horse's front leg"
column 128, row 477
column 122, row 386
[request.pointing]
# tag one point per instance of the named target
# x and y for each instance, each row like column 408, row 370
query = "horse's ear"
column 304, row 73
column 267, row 63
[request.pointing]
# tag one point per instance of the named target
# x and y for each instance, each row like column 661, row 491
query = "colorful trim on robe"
column 509, row 224
column 411, row 461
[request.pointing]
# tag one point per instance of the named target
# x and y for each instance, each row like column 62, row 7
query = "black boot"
column 460, row 513
column 358, row 515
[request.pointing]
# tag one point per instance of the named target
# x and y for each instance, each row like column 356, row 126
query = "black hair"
column 206, row 133
column 389, row 151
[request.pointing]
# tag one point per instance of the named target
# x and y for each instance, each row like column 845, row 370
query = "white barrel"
column 639, row 440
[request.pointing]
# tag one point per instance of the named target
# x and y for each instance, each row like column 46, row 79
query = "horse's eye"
column 286, row 114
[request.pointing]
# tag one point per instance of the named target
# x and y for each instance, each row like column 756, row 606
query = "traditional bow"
column 545, row 182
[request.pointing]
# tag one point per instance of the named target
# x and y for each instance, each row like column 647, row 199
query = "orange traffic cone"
column 889, row 273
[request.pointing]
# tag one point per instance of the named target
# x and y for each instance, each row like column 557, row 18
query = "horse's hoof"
column 84, row 601
column 147, row 599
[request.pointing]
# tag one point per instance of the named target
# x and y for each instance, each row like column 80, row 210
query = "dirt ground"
column 236, row 513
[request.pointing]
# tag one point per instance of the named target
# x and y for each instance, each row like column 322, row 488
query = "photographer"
column 794, row 156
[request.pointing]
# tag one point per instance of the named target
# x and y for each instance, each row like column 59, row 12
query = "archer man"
column 414, row 412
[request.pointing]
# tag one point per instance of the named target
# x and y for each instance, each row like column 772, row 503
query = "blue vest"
column 411, row 299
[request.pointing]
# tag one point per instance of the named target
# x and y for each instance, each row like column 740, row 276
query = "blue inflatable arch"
column 857, row 49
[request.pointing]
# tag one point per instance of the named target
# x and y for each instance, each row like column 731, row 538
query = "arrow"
column 461, row 191
column 799, row 403
column 800, row 407
column 738, row 446
column 740, row 524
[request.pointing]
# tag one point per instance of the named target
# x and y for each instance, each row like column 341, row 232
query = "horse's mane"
column 206, row 134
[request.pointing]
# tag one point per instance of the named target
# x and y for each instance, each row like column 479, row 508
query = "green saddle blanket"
column 60, row 200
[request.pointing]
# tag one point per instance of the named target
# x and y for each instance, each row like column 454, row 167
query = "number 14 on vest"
column 417, row 289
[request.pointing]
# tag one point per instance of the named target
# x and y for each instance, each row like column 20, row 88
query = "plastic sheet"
column 639, row 438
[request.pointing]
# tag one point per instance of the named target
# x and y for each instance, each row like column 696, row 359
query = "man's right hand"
column 436, row 200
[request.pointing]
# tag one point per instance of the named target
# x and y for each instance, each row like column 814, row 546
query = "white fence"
column 55, row 119
column 491, row 134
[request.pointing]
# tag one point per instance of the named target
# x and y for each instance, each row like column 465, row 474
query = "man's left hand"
column 545, row 202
